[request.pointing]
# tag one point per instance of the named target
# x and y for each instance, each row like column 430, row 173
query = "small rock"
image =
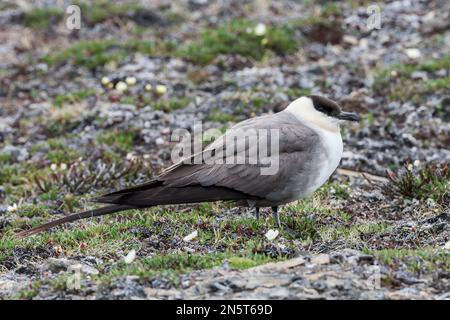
column 419, row 75
column 271, row 234
column 129, row 258
column 191, row 236
column 15, row 153
column 321, row 259
column 56, row 265
column 350, row 40
column 413, row 53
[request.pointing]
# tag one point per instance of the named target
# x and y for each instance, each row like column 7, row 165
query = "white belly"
column 334, row 147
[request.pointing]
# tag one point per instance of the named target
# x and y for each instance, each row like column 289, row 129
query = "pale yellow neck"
column 304, row 111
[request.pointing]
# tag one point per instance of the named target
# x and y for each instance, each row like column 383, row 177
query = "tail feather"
column 74, row 217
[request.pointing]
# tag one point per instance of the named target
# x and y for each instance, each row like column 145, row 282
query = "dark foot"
column 276, row 216
column 257, row 213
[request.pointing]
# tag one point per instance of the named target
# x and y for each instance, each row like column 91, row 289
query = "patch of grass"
column 238, row 37
column 220, row 116
column 93, row 54
column 33, row 210
column 397, row 84
column 30, row 292
column 416, row 260
column 98, row 11
column 168, row 105
column 429, row 181
column 7, row 173
column 40, row 18
column 5, row 158
column 124, row 141
column 72, row 97
column 437, row 84
column 294, row 93
column 183, row 262
column 59, row 151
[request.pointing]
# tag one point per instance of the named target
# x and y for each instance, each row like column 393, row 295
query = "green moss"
column 124, row 141
column 5, row 158
column 168, row 105
column 72, row 97
column 437, row 84
column 294, row 93
column 42, row 17
column 238, row 37
column 63, row 155
column 220, row 116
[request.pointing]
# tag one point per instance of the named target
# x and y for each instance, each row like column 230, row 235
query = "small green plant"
column 430, row 181
column 168, row 105
column 42, row 17
column 124, row 141
column 32, row 210
column 220, row 116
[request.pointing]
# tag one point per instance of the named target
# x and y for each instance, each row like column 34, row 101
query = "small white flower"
column 130, row 155
column 131, row 81
column 271, row 234
column 447, row 246
column 191, row 236
column 63, row 166
column 148, row 87
column 260, row 29
column 105, row 81
column 161, row 89
column 12, row 209
column 54, row 167
column 417, row 163
column 410, row 167
column 121, row 86
column 129, row 258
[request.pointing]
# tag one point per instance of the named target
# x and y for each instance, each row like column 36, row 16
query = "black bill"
column 350, row 116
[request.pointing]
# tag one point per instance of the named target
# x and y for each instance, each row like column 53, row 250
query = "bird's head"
column 321, row 111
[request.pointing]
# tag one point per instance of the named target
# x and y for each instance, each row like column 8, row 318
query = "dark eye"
column 323, row 108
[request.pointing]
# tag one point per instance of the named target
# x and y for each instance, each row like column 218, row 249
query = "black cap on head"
column 325, row 105
column 332, row 108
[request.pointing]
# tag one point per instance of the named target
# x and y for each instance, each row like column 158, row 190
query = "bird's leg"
column 257, row 213
column 276, row 216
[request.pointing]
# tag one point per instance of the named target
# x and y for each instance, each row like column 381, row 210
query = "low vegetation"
column 409, row 82
column 243, row 38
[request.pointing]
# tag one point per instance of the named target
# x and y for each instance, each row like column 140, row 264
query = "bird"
column 309, row 150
